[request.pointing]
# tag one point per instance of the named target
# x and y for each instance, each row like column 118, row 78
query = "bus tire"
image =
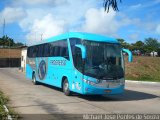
column 34, row 79
column 66, row 87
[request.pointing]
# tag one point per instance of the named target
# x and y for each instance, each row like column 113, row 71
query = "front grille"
column 108, row 83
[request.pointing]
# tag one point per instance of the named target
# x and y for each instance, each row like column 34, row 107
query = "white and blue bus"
column 78, row 62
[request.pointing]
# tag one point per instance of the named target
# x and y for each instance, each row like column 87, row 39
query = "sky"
column 30, row 21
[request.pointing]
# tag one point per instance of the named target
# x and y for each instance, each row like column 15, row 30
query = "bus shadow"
column 128, row 95
column 51, row 87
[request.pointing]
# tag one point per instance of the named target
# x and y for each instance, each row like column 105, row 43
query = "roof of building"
column 13, row 47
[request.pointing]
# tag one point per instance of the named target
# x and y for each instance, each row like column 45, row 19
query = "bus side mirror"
column 83, row 50
column 129, row 54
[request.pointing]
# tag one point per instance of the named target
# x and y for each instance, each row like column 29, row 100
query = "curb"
column 143, row 82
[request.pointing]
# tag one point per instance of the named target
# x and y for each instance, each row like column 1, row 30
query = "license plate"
column 108, row 91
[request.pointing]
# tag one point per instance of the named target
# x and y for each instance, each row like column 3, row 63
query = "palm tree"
column 112, row 3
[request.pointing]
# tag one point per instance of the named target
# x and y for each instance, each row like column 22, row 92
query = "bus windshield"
column 103, row 60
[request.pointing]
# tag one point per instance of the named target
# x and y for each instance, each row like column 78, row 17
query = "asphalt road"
column 27, row 98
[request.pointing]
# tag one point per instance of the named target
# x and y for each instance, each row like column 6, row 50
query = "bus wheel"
column 34, row 80
column 66, row 87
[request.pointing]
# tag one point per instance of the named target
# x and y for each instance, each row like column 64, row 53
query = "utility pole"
column 35, row 35
column 9, row 54
column 4, row 24
column 41, row 37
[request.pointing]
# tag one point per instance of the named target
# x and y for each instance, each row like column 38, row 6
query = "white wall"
column 154, row 54
column 23, row 59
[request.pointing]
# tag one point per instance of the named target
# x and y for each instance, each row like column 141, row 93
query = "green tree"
column 123, row 43
column 151, row 44
column 158, row 51
column 6, row 41
column 139, row 45
column 19, row 44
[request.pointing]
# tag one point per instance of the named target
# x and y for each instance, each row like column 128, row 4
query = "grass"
column 3, row 101
column 143, row 69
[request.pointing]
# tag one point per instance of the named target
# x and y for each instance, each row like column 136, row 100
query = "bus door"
column 79, row 67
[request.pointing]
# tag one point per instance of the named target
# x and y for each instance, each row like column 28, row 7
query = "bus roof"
column 83, row 36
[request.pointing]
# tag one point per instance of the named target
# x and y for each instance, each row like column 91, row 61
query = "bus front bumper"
column 92, row 90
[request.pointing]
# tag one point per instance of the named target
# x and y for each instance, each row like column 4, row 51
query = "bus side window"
column 52, row 49
column 57, row 51
column 34, row 51
column 31, row 52
column 28, row 52
column 73, row 42
column 46, row 50
column 64, row 49
column 40, row 51
column 48, row 46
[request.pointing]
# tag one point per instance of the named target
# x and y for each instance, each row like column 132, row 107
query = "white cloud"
column 47, row 27
column 136, row 6
column 12, row 14
column 98, row 21
column 134, row 37
column 61, row 18
column 32, row 15
column 38, row 2
column 55, row 22
column 52, row 17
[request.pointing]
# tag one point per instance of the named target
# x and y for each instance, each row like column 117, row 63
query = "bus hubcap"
column 66, row 86
column 34, row 79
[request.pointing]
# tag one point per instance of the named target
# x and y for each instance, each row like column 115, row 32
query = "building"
column 154, row 54
column 10, row 57
column 23, row 58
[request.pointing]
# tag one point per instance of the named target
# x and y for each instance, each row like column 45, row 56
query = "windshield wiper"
column 109, row 78
column 95, row 67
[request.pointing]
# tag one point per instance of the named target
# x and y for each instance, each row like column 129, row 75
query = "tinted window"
column 52, row 49
column 40, row 50
column 77, row 59
column 63, row 49
column 58, row 48
column 76, row 52
column 34, row 51
column 57, row 51
column 28, row 52
column 73, row 42
column 46, row 50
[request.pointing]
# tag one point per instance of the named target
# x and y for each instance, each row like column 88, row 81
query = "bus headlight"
column 89, row 82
